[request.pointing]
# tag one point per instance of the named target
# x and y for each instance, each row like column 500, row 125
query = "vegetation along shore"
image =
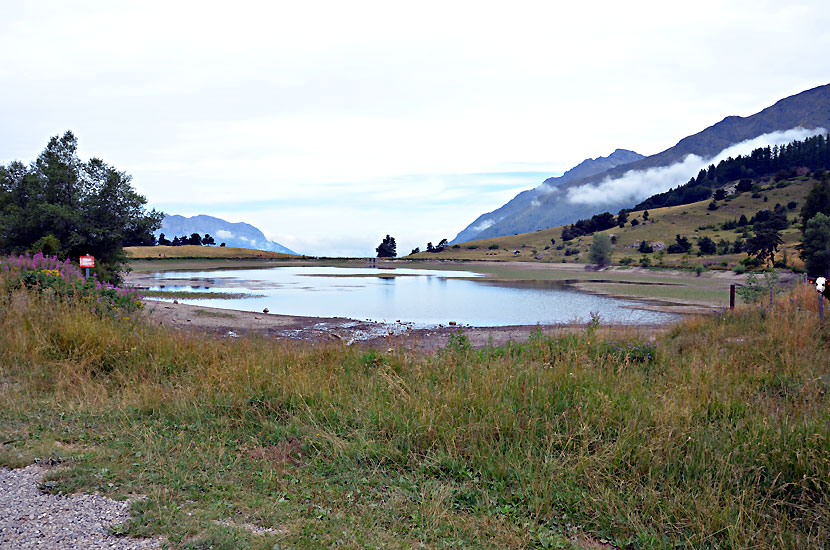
column 712, row 434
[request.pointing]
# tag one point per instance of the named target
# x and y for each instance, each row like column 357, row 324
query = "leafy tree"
column 645, row 248
column 415, row 250
column 207, row 240
column 816, row 246
column 163, row 241
column 720, row 194
column 89, row 207
column 387, row 248
column 765, row 242
column 600, row 251
column 680, row 246
column 645, row 214
column 48, row 245
column 713, row 205
column 817, row 201
column 195, row 239
column 635, row 222
column 707, row 245
column 222, row 245
column 622, row 218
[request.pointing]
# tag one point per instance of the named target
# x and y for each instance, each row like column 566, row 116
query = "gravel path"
column 32, row 519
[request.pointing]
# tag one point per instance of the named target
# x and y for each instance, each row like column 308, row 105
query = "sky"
column 328, row 125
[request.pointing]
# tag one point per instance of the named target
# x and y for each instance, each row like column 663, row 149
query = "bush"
column 493, row 247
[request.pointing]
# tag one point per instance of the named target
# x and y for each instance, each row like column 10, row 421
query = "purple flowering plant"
column 64, row 279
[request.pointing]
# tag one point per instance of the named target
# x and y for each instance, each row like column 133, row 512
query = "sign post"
column 87, row 262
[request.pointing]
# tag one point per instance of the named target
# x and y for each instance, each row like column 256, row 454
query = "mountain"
column 809, row 109
column 239, row 234
column 525, row 200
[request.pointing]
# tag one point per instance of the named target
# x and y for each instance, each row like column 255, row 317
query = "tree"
column 622, row 217
column 208, row 240
column 817, row 201
column 387, row 248
column 600, row 251
column 194, row 239
column 816, row 246
column 415, row 250
column 89, row 207
column 765, row 242
column 720, row 194
column 645, row 214
column 645, row 248
column 163, row 241
column 707, row 245
column 635, row 222
column 680, row 246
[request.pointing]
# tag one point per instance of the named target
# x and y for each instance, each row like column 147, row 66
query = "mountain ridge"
column 585, row 168
column 808, row 109
column 238, row 234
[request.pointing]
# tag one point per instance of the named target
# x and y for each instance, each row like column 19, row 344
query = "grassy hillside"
column 713, row 435
column 192, row 251
column 691, row 220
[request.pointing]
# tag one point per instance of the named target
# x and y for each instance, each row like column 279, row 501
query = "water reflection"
column 424, row 297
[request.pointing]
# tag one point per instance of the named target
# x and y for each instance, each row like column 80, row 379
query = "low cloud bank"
column 483, row 225
column 636, row 185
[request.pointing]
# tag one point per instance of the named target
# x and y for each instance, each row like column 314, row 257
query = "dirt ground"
column 233, row 324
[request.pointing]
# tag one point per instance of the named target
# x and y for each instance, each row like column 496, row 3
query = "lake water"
column 419, row 296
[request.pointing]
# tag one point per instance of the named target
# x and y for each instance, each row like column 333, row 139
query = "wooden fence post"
column 731, row 296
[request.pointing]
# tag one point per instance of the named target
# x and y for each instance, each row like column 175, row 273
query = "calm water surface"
column 423, row 297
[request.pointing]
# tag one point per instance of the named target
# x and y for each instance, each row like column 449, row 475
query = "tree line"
column 781, row 162
column 193, row 239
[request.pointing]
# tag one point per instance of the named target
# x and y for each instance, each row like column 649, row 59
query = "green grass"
column 715, row 435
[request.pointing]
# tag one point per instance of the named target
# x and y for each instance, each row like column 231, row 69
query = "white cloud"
column 635, row 186
column 483, row 225
column 224, row 234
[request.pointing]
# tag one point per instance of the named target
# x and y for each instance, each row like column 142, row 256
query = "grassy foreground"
column 717, row 435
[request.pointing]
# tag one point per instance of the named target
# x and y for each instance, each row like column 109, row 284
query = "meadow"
column 713, row 434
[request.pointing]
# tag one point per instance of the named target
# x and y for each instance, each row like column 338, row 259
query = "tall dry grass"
column 716, row 435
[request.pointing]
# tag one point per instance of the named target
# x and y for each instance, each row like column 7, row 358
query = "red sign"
column 87, row 261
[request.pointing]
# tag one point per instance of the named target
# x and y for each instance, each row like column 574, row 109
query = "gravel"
column 30, row 518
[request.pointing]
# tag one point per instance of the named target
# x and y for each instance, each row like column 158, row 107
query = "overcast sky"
column 330, row 124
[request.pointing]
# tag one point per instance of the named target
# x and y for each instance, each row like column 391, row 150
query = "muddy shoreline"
column 227, row 323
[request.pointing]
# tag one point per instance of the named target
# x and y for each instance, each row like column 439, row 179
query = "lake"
column 422, row 297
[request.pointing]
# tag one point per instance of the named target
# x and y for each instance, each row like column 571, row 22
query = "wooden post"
column 731, row 296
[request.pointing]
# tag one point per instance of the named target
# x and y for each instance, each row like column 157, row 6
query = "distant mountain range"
column 548, row 205
column 239, row 234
